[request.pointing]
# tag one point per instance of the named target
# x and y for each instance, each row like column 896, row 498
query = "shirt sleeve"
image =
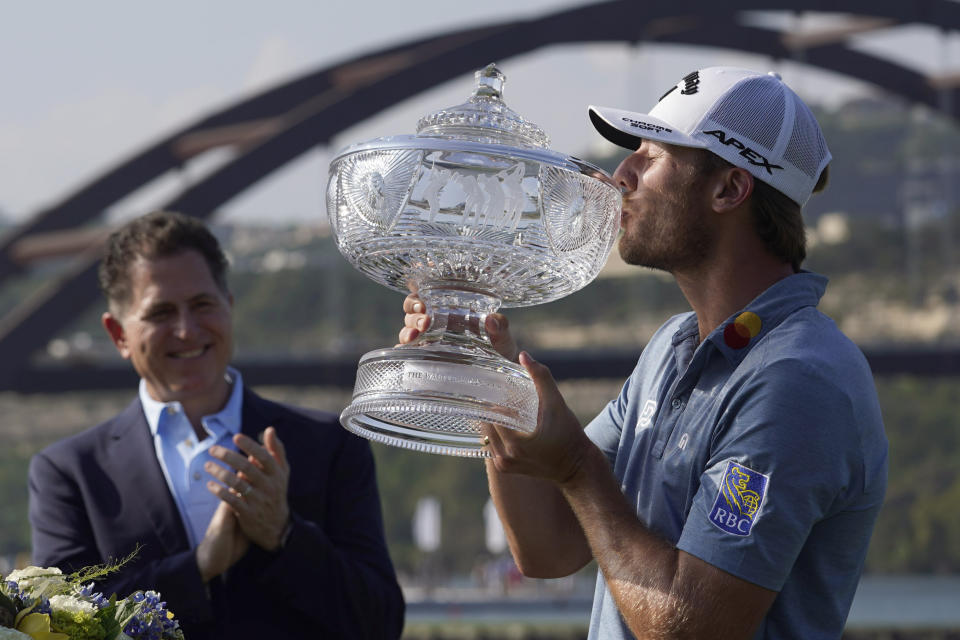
column 785, row 455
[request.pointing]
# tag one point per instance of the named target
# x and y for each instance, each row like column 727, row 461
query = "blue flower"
column 95, row 597
column 133, row 627
column 44, row 606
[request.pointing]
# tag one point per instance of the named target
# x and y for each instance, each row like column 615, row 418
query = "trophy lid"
column 484, row 117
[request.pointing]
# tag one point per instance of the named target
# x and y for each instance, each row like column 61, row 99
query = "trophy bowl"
column 472, row 213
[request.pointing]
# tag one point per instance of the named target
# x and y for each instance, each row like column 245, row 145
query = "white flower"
column 70, row 604
column 13, row 634
column 38, row 580
column 33, row 572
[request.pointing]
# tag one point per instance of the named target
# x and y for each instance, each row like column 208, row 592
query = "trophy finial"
column 484, row 117
column 490, row 81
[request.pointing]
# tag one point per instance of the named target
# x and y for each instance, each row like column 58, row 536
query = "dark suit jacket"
column 96, row 496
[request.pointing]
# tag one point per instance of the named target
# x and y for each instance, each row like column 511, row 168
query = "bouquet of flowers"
column 45, row 604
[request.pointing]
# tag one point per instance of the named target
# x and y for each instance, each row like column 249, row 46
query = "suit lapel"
column 143, row 489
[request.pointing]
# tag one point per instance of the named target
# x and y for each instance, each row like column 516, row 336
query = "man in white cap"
column 731, row 489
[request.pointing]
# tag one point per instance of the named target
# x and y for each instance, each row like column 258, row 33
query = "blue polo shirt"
column 760, row 451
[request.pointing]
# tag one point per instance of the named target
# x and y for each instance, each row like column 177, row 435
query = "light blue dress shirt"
column 760, row 451
column 182, row 457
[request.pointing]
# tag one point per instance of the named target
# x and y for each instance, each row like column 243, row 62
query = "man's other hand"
column 416, row 321
column 223, row 544
column 556, row 449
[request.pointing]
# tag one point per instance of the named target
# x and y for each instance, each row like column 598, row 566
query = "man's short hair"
column 160, row 234
column 777, row 219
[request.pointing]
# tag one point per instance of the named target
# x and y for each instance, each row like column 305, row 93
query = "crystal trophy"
column 473, row 212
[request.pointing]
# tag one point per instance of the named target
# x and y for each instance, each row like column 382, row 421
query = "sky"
column 86, row 85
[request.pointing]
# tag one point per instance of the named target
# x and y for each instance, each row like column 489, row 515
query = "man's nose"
column 625, row 177
column 186, row 324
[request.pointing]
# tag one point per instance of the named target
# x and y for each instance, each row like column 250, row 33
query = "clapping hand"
column 223, row 544
column 255, row 486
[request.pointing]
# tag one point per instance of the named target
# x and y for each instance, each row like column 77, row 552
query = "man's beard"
column 673, row 239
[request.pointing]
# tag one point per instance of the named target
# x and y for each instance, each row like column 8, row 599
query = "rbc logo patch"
column 739, row 499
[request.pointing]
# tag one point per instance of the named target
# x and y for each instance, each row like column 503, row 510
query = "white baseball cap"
column 752, row 120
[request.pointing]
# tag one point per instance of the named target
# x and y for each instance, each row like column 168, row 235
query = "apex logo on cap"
column 752, row 156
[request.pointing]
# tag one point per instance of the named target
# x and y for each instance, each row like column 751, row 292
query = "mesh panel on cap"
column 737, row 111
column 806, row 148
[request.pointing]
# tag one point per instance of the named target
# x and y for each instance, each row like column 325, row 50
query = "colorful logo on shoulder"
column 744, row 328
column 739, row 499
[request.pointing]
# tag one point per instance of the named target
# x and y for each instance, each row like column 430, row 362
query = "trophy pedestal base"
column 435, row 397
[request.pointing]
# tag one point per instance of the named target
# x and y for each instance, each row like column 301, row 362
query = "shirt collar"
column 225, row 420
column 686, row 340
column 736, row 336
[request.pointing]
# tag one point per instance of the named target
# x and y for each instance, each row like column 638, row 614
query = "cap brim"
column 628, row 129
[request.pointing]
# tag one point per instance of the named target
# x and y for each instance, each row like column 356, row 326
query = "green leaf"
column 24, row 613
column 7, row 603
column 101, row 571
column 108, row 619
column 8, row 610
column 126, row 610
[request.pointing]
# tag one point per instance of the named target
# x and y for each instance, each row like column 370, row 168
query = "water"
column 907, row 602
column 881, row 602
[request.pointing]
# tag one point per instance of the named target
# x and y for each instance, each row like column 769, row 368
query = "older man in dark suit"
column 253, row 519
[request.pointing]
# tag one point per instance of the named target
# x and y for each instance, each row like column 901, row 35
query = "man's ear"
column 114, row 329
column 731, row 188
